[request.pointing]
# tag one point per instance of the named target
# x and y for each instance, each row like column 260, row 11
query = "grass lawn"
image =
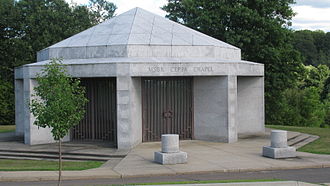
column 7, row 128
column 320, row 146
column 207, row 181
column 43, row 165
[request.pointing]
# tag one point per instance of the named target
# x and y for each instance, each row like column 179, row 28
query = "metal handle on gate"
column 168, row 114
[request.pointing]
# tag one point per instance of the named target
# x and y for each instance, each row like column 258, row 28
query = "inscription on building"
column 159, row 69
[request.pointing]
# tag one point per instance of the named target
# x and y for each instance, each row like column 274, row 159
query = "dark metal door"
column 99, row 123
column 167, row 107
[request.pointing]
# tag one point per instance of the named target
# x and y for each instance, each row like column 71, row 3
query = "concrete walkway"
column 245, row 155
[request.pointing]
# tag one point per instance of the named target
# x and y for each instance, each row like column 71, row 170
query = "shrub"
column 302, row 108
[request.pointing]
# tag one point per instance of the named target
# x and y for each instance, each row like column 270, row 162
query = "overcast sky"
column 311, row 14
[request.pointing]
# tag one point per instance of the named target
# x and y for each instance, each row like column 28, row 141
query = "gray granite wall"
column 250, row 93
column 214, row 108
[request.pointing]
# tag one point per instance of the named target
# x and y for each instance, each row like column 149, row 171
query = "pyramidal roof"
column 140, row 27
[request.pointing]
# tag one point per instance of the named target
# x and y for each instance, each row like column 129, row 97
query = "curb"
column 262, row 183
column 83, row 175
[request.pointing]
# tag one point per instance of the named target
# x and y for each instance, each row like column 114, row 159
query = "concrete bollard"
column 170, row 153
column 279, row 146
column 279, row 139
column 170, row 143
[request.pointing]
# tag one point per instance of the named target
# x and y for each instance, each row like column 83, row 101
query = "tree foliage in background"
column 304, row 104
column 101, row 10
column 6, row 101
column 58, row 102
column 259, row 28
column 28, row 26
column 314, row 46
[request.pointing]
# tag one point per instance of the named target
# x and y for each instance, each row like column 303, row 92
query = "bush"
column 302, row 107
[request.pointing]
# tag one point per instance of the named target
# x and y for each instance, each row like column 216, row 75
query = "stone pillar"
column 28, row 117
column 19, row 107
column 215, row 107
column 232, row 108
column 129, row 116
column 32, row 134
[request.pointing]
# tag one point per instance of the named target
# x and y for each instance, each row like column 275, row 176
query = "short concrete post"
column 170, row 153
column 170, row 143
column 279, row 146
column 279, row 139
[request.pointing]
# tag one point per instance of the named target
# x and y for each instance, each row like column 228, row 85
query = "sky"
column 311, row 14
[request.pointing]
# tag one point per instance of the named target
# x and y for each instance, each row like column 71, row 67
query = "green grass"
column 320, row 146
column 207, row 181
column 7, row 128
column 43, row 165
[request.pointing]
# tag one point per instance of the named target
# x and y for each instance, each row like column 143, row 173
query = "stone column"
column 129, row 116
column 32, row 134
column 232, row 108
column 19, row 107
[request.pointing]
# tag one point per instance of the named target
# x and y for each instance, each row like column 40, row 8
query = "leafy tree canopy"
column 258, row 27
column 59, row 100
column 314, row 46
column 27, row 26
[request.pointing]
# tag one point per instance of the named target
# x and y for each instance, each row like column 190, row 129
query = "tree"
column 316, row 77
column 58, row 102
column 6, row 100
column 258, row 27
column 302, row 107
column 101, row 10
column 314, row 46
column 303, row 41
column 27, row 27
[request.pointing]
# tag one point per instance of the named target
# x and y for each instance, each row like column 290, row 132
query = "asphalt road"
column 321, row 175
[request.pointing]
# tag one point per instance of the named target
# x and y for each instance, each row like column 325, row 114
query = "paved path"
column 321, row 175
column 203, row 157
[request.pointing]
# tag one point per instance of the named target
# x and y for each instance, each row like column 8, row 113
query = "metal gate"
column 99, row 123
column 167, row 107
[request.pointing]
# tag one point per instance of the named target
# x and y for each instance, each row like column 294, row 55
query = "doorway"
column 167, row 107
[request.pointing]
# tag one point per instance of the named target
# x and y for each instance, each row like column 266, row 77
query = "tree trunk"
column 59, row 162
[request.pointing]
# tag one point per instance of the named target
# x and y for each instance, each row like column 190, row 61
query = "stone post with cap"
column 170, row 153
column 279, row 146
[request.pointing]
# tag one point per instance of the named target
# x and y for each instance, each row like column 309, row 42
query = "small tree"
column 58, row 102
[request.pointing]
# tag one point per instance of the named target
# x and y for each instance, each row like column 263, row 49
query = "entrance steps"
column 51, row 155
column 297, row 139
column 301, row 139
column 12, row 147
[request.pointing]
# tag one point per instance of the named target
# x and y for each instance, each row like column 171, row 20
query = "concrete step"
column 43, row 152
column 301, row 140
column 306, row 141
column 297, row 139
column 292, row 135
column 20, row 155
